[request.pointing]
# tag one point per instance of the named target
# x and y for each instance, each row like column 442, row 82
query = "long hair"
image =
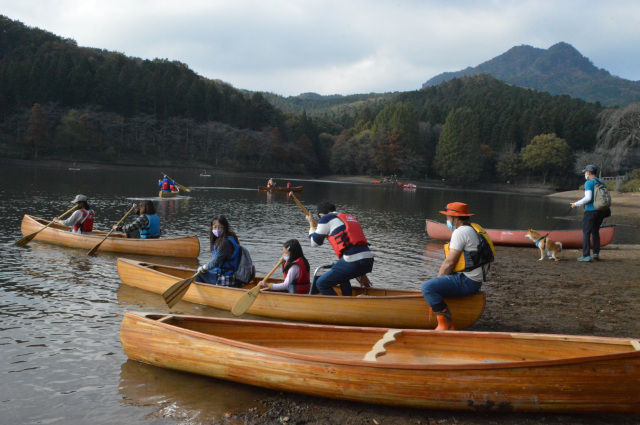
column 147, row 207
column 295, row 252
column 84, row 205
column 218, row 241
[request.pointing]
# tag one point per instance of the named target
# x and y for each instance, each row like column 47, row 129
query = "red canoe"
column 571, row 239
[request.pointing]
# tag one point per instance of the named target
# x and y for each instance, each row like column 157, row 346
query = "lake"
column 60, row 310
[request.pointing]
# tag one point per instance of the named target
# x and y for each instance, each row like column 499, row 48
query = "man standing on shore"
column 592, row 219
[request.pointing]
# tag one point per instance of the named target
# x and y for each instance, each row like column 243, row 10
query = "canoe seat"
column 635, row 345
column 379, row 347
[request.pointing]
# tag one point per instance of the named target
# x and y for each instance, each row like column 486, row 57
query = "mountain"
column 561, row 69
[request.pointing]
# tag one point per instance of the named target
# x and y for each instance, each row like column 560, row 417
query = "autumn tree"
column 547, row 153
column 36, row 134
column 458, row 154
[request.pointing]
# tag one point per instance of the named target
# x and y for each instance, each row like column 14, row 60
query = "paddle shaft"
column 95, row 248
column 178, row 184
column 273, row 270
column 246, row 300
column 25, row 240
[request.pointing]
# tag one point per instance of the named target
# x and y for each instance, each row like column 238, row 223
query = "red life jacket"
column 352, row 235
column 86, row 224
column 303, row 281
column 165, row 185
column 172, row 187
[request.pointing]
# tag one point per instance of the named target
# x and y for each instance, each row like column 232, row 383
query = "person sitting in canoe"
column 296, row 270
column 345, row 235
column 81, row 221
column 271, row 183
column 225, row 249
column 167, row 185
column 465, row 267
column 146, row 226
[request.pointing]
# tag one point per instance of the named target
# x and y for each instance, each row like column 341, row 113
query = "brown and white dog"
column 545, row 244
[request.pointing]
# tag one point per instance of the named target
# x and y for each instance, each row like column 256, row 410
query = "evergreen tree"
column 36, row 134
column 458, row 154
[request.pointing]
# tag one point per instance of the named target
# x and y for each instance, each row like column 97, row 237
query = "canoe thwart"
column 379, row 347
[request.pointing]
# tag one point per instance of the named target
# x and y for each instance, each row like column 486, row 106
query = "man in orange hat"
column 465, row 267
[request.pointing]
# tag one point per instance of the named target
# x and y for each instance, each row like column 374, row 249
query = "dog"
column 545, row 244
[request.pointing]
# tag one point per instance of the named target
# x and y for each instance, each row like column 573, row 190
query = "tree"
column 547, row 153
column 458, row 155
column 36, row 134
column 619, row 136
column 508, row 166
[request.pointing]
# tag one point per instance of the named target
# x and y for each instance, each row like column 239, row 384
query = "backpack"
column 601, row 196
column 246, row 270
column 485, row 253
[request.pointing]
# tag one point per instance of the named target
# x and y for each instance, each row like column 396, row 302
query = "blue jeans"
column 450, row 286
column 340, row 274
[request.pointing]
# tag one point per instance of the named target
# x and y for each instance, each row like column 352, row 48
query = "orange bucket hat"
column 457, row 209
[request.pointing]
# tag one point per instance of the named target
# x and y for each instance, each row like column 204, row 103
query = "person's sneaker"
column 585, row 259
column 596, row 256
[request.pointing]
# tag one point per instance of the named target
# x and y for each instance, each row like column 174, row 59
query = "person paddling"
column 81, row 221
column 146, row 226
column 347, row 239
column 295, row 268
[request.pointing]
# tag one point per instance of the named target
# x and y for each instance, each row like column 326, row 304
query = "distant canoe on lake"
column 280, row 189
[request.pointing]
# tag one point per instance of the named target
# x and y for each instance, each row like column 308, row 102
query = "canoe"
column 571, row 239
column 181, row 246
column 474, row 371
column 280, row 189
column 164, row 194
column 367, row 306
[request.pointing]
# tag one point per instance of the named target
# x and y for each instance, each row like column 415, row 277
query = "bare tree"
column 619, row 136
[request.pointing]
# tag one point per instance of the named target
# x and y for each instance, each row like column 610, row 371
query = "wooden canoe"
column 571, row 239
column 475, row 371
column 367, row 306
column 165, row 194
column 280, row 189
column 181, row 246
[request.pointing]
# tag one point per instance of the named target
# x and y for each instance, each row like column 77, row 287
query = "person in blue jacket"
column 592, row 218
column 146, row 226
column 225, row 249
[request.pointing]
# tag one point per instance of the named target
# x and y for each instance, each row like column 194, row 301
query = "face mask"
column 216, row 232
column 586, row 176
column 286, row 258
column 450, row 226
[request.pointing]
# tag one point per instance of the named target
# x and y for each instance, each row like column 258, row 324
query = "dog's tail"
column 560, row 243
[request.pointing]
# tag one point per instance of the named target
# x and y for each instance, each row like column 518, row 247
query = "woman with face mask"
column 295, row 268
column 225, row 249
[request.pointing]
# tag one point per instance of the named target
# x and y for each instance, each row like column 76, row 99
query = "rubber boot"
column 445, row 323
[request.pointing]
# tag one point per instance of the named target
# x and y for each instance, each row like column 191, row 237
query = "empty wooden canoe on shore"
column 481, row 371
column 180, row 246
column 367, row 306
column 280, row 189
column 571, row 239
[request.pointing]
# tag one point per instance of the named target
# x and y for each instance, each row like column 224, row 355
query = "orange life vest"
column 86, row 224
column 352, row 235
column 303, row 281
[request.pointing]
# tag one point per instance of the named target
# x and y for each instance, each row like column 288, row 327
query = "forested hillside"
column 61, row 101
column 561, row 69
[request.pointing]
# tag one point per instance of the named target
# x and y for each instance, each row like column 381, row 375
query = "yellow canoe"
column 180, row 246
column 367, row 306
column 473, row 371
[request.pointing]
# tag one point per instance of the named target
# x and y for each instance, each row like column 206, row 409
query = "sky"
column 289, row 47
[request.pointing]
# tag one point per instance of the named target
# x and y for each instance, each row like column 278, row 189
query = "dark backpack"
column 246, row 270
column 601, row 196
column 485, row 253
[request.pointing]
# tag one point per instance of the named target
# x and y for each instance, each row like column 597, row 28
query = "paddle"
column 25, row 240
column 176, row 291
column 177, row 184
column 95, row 248
column 362, row 280
column 246, row 300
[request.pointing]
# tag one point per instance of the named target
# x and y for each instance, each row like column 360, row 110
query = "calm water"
column 60, row 310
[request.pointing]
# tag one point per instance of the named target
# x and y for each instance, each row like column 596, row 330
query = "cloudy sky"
column 290, row 47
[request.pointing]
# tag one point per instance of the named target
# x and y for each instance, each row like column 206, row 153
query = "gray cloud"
column 330, row 46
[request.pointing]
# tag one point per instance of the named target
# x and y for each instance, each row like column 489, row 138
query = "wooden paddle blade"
column 176, row 291
column 95, row 248
column 245, row 301
column 25, row 240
